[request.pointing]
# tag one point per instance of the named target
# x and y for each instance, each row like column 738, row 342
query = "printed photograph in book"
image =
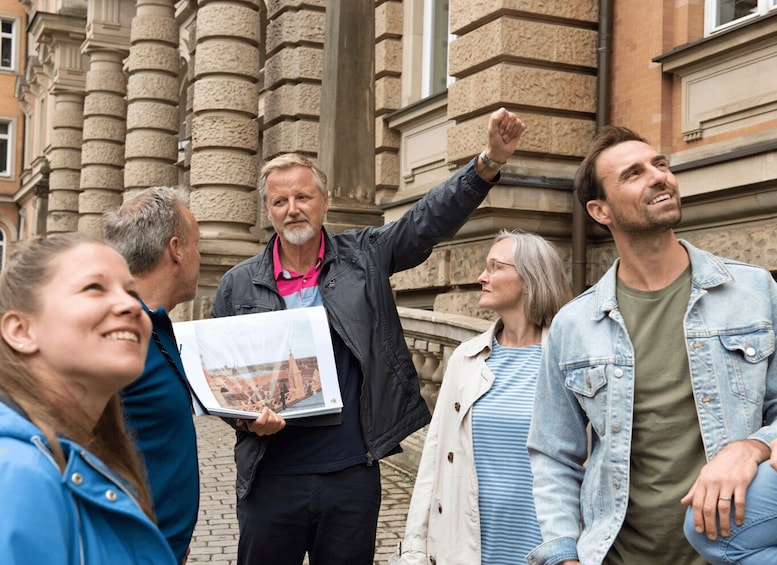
column 282, row 360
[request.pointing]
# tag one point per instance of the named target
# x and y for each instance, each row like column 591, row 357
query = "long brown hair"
column 29, row 269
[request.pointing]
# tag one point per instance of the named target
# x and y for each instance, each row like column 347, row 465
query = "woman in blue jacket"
column 73, row 333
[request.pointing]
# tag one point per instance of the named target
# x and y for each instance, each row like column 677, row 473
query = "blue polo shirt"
column 157, row 408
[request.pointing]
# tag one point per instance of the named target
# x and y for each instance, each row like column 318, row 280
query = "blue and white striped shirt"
column 500, row 425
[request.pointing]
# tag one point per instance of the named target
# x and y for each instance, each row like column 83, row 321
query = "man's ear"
column 174, row 249
column 17, row 333
column 599, row 211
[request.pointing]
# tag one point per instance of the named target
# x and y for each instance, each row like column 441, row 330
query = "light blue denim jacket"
column 587, row 375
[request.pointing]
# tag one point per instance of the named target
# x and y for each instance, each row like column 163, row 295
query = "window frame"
column 8, row 138
column 711, row 9
column 14, row 43
column 432, row 45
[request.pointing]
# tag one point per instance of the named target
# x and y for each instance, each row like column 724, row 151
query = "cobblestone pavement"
column 215, row 537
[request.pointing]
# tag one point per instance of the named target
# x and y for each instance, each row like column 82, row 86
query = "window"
column 722, row 14
column 435, row 47
column 7, row 47
column 5, row 148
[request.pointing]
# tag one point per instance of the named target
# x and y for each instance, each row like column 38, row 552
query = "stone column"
column 225, row 136
column 293, row 71
column 347, row 137
column 102, row 157
column 105, row 111
column 152, row 97
column 60, row 47
column 65, row 161
column 186, row 16
column 389, row 21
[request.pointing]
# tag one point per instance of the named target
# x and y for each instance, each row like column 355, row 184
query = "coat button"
column 110, row 494
column 616, row 427
column 750, row 351
column 457, row 406
column 77, row 479
column 439, row 508
column 618, row 372
column 450, row 456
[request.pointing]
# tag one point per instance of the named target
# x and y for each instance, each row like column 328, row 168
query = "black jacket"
column 357, row 296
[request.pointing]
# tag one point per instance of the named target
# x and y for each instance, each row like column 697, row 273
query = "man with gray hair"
column 316, row 489
column 158, row 236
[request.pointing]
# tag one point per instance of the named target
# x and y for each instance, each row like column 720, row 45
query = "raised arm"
column 504, row 131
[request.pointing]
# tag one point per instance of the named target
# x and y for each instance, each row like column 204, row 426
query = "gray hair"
column 289, row 161
column 540, row 267
column 144, row 224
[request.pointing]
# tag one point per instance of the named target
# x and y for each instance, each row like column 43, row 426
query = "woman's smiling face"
column 89, row 330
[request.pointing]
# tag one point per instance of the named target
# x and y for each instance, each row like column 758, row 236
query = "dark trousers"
column 331, row 516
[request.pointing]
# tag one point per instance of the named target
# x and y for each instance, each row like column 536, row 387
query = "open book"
column 283, row 360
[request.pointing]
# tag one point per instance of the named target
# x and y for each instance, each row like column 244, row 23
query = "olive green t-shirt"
column 666, row 448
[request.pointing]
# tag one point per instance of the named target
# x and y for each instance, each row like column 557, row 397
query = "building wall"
column 710, row 103
column 134, row 95
column 10, row 114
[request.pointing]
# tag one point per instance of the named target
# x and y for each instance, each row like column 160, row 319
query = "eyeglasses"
column 494, row 266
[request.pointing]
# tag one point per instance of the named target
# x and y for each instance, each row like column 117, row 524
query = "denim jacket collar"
column 707, row 271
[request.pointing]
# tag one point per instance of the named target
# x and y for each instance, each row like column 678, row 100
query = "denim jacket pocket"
column 747, row 357
column 587, row 383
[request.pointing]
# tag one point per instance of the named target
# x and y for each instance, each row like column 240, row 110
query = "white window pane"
column 6, row 44
column 731, row 10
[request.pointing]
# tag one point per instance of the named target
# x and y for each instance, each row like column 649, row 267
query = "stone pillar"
column 152, row 97
column 105, row 111
column 186, row 15
column 347, row 136
column 60, row 46
column 65, row 161
column 389, row 21
column 102, row 157
column 225, row 136
column 293, row 71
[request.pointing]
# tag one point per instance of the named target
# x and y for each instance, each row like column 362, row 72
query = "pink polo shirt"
column 298, row 290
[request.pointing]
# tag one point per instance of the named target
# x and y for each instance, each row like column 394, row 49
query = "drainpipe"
column 579, row 216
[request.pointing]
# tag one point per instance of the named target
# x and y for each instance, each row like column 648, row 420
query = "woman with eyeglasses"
column 472, row 501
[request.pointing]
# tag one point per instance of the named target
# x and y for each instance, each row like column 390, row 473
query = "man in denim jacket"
column 669, row 424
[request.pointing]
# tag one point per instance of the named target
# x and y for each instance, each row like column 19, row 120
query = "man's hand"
column 266, row 424
column 504, row 132
column 724, row 481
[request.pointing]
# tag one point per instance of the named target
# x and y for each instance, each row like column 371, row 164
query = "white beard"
column 299, row 236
